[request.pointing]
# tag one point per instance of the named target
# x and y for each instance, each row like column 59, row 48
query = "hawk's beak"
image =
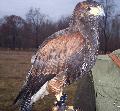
column 97, row 11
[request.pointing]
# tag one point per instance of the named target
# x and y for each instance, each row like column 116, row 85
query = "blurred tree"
column 10, row 30
column 15, row 32
column 114, row 40
column 109, row 6
column 37, row 20
column 42, row 27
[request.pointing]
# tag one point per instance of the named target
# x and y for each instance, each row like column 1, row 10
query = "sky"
column 53, row 8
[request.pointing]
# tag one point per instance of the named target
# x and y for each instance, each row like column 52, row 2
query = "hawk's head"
column 87, row 14
column 88, row 9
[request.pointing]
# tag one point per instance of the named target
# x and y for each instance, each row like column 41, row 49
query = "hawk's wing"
column 63, row 54
column 52, row 59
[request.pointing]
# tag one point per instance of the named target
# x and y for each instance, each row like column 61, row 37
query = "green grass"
column 14, row 66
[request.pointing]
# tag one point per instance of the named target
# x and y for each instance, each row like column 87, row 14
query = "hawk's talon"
column 61, row 103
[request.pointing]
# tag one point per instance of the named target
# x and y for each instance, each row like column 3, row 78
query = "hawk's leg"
column 60, row 103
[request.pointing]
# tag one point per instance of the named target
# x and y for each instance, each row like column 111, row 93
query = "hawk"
column 64, row 56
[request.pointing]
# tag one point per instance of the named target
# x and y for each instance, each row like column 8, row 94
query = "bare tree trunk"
column 36, row 38
column 13, row 42
column 106, row 38
column 105, row 28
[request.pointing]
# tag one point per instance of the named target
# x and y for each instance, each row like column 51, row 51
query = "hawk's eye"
column 88, row 8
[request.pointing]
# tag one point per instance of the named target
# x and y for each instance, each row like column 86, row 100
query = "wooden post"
column 85, row 99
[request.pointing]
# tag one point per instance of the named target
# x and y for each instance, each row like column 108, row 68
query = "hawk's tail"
column 24, row 99
column 32, row 90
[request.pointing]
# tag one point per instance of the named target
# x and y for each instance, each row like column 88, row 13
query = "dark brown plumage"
column 66, row 55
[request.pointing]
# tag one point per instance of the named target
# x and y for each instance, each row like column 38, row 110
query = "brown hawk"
column 64, row 56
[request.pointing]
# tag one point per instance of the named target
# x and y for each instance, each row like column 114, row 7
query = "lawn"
column 14, row 66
